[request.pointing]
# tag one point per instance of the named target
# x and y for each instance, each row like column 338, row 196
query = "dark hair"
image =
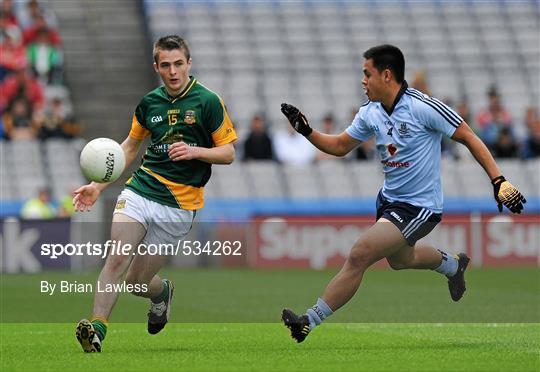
column 171, row 42
column 387, row 57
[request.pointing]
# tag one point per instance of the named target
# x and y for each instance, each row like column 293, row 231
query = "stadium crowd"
column 33, row 101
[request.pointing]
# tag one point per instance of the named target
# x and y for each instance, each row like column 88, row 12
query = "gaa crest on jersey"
column 189, row 117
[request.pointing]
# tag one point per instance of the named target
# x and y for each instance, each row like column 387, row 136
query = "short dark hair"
column 171, row 42
column 387, row 57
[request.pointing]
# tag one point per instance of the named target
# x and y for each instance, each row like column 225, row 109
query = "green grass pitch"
column 228, row 320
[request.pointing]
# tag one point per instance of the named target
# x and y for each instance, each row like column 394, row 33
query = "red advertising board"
column 321, row 241
column 510, row 240
column 302, row 242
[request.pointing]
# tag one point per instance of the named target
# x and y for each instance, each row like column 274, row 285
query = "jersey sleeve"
column 218, row 122
column 437, row 116
column 359, row 129
column 138, row 125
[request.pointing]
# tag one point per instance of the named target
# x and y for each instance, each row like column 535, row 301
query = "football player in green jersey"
column 189, row 129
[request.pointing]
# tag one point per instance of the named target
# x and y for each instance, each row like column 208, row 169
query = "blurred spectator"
column 31, row 33
column 51, row 121
column 21, row 84
column 492, row 119
column 327, row 127
column 419, row 82
column 39, row 207
column 12, row 51
column 464, row 111
column 31, row 11
column 18, row 122
column 531, row 117
column 505, row 146
column 292, row 148
column 9, row 12
column 258, row 145
column 71, row 127
column 532, row 142
column 2, row 128
column 65, row 207
column 44, row 59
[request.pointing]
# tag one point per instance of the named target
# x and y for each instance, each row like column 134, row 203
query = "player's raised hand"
column 85, row 197
column 298, row 120
column 506, row 194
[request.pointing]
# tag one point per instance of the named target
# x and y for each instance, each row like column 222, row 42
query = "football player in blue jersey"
column 408, row 126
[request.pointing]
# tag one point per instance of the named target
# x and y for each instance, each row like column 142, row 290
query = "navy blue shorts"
column 413, row 222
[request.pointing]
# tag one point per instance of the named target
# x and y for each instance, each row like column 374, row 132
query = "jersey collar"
column 172, row 99
column 401, row 91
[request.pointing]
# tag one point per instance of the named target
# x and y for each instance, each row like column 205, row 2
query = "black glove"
column 297, row 119
column 507, row 195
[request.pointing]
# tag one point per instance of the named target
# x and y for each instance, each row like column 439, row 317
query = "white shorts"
column 163, row 224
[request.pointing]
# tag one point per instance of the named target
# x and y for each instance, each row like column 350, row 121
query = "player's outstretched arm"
column 85, row 196
column 337, row 145
column 504, row 192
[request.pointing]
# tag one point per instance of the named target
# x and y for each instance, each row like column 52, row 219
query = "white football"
column 102, row 160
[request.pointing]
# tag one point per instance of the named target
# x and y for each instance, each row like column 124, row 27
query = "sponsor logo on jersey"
column 189, row 117
column 156, row 119
column 395, row 164
column 391, row 149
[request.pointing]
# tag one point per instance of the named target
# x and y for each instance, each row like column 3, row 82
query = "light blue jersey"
column 409, row 142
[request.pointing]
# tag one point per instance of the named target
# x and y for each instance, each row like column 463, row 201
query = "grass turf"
column 220, row 347
column 496, row 325
column 241, row 295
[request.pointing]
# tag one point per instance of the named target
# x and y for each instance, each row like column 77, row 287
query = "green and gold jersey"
column 197, row 116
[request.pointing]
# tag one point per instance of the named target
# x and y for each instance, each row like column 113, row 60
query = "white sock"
column 449, row 264
column 319, row 312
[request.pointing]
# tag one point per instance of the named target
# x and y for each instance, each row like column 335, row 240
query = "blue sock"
column 449, row 264
column 319, row 312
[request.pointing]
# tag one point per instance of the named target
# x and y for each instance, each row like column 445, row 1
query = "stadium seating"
column 257, row 54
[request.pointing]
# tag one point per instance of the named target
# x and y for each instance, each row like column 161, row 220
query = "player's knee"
column 116, row 264
column 360, row 257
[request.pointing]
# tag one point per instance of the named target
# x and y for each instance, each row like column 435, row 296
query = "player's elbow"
column 341, row 147
column 341, row 152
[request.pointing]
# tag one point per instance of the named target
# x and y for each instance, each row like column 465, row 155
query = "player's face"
column 173, row 67
column 373, row 81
